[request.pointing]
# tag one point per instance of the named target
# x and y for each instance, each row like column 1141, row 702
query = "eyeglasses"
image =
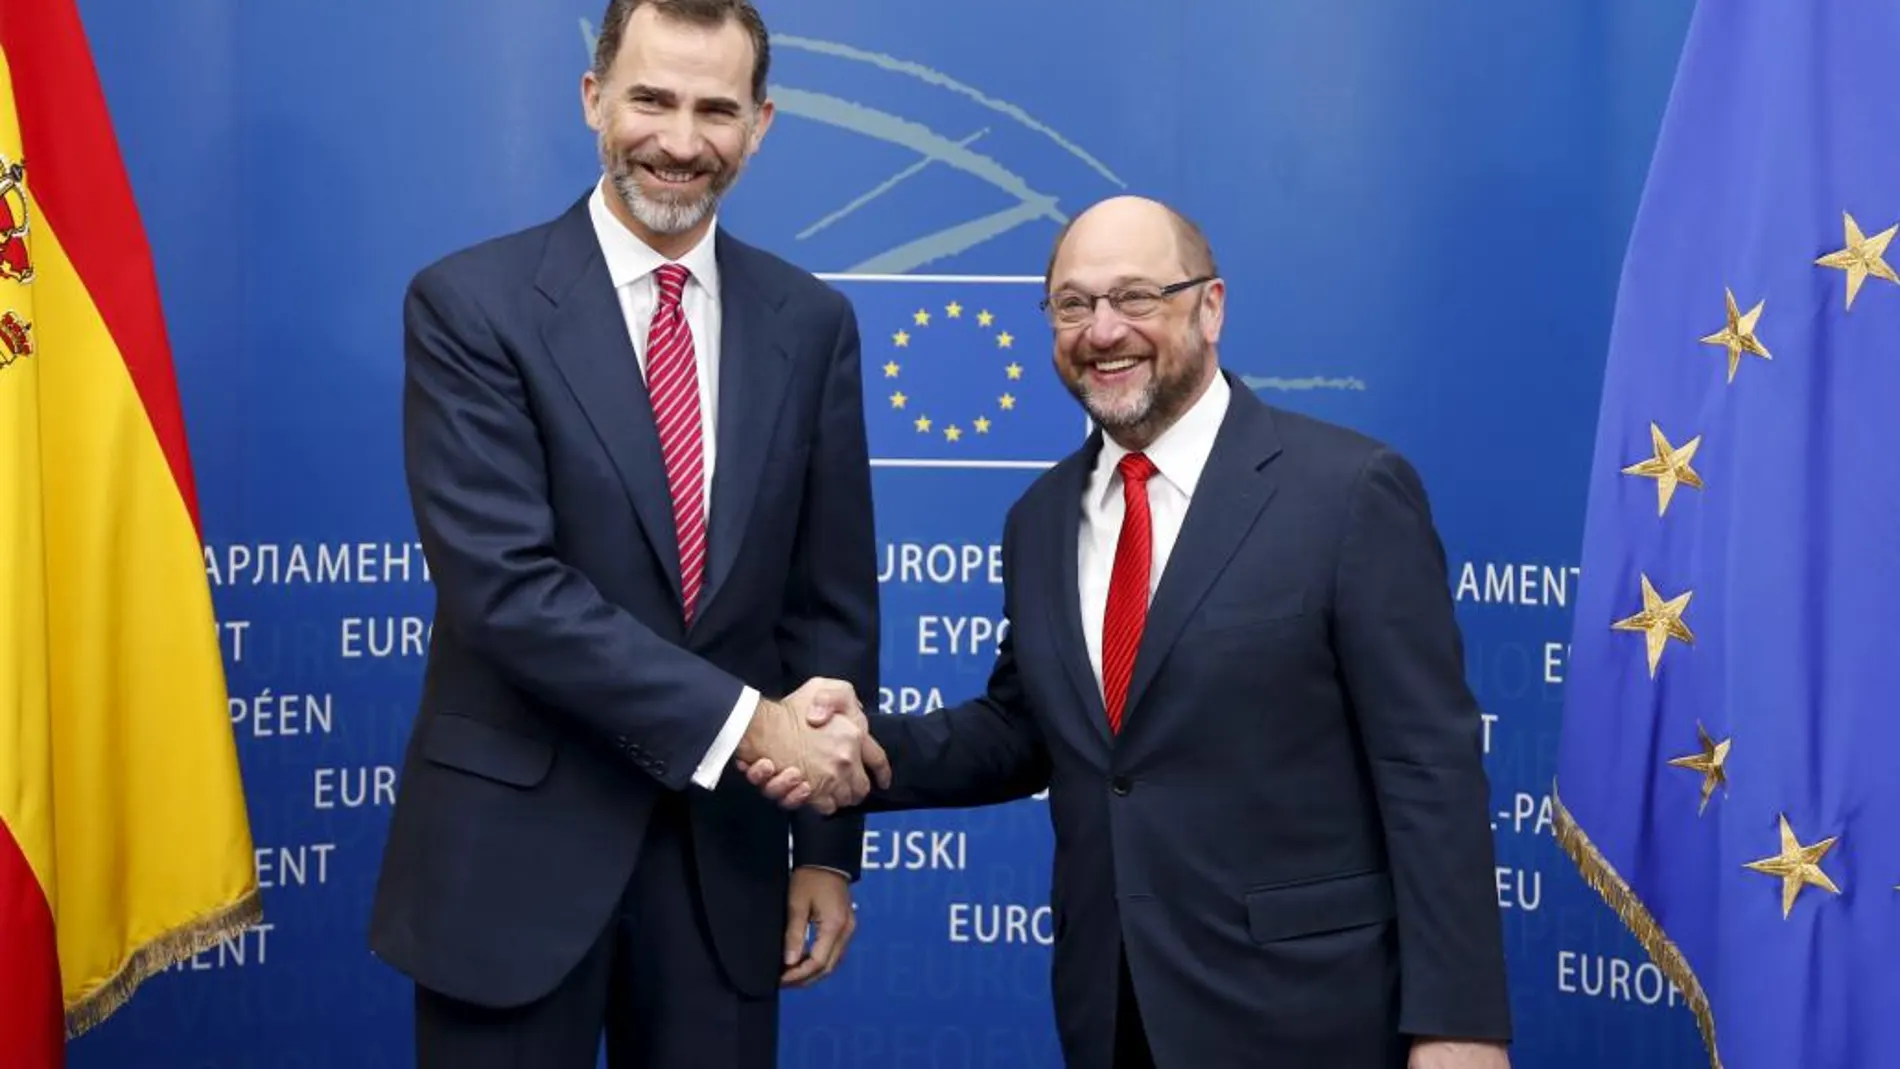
column 1072, row 309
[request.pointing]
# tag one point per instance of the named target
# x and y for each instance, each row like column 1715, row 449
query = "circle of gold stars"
column 981, row 424
column 1860, row 257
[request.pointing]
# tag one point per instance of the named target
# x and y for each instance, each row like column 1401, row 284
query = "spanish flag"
column 124, row 840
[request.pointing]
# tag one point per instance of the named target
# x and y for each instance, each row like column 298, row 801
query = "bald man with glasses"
column 1233, row 664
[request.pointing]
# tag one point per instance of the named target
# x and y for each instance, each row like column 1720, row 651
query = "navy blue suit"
column 564, row 705
column 1289, row 840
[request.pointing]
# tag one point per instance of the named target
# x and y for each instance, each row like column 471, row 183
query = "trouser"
column 651, row 986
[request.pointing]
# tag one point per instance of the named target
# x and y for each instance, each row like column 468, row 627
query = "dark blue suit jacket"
column 1291, row 833
column 562, row 695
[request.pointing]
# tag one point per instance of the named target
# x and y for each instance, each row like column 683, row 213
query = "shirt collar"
column 629, row 259
column 1180, row 453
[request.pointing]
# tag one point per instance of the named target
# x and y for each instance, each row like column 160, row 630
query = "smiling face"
column 1135, row 371
column 676, row 121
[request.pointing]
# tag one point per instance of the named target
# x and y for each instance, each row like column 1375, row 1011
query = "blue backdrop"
column 1421, row 211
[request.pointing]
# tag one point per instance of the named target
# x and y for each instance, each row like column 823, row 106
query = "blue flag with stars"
column 1726, row 777
column 956, row 372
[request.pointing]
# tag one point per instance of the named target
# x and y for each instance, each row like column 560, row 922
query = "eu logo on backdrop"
column 958, row 371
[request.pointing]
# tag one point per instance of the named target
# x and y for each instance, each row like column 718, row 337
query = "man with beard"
column 636, row 453
column 1233, row 664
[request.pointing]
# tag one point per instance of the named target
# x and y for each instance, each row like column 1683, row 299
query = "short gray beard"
column 662, row 216
column 1129, row 413
column 1158, row 404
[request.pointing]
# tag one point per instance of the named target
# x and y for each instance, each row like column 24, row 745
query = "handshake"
column 814, row 749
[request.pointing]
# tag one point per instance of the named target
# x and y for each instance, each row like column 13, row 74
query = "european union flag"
column 1727, row 777
column 958, row 371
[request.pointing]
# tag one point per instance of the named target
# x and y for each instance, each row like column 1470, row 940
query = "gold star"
column 922, row 318
column 1861, row 257
column 923, row 424
column 982, row 425
column 891, row 369
column 898, row 399
column 1005, row 339
column 1712, row 762
column 1008, row 401
column 953, row 310
column 952, row 432
column 1014, row 370
column 1797, row 866
column 1659, row 622
column 984, row 318
column 1739, row 335
column 1668, row 467
column 901, row 338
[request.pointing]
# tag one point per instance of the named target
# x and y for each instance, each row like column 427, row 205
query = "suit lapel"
column 754, row 371
column 586, row 335
column 1234, row 487
column 1062, row 589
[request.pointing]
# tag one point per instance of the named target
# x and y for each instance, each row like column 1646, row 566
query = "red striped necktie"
column 673, row 384
column 1127, row 587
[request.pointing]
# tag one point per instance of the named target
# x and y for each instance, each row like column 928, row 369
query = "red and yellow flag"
column 124, row 840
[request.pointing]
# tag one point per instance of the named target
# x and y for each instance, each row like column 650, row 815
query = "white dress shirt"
column 630, row 264
column 1179, row 455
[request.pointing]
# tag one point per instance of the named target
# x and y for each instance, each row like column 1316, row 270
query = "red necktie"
column 1127, row 587
column 673, row 384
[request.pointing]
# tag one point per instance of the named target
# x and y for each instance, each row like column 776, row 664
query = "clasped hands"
column 813, row 748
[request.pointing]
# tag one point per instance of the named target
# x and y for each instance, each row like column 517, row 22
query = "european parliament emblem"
column 957, row 372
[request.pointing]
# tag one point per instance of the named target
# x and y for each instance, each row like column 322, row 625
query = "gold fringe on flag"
column 1616, row 892
column 194, row 937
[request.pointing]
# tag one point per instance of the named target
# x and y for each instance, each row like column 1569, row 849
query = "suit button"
column 1119, row 785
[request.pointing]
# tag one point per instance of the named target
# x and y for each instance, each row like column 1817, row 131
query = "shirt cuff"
column 727, row 741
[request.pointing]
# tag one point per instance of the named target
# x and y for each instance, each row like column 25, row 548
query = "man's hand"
column 1457, row 1054
column 787, row 785
column 820, row 900
column 802, row 752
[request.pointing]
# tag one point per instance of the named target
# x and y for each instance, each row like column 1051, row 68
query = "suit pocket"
column 1233, row 613
column 472, row 746
column 1319, row 906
